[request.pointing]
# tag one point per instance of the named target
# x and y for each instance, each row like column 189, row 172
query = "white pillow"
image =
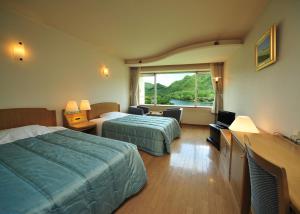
column 11, row 135
column 112, row 115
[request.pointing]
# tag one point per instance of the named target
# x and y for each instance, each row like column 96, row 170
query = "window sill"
column 206, row 107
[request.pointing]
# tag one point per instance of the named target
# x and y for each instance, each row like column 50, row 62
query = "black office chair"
column 269, row 188
column 138, row 110
column 174, row 113
column 145, row 109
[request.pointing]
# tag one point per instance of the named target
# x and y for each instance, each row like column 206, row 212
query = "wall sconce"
column 19, row 51
column 105, row 71
column 217, row 79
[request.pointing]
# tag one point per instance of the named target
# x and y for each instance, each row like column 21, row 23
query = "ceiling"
column 143, row 28
column 197, row 53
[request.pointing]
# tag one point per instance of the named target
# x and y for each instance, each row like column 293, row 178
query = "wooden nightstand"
column 79, row 122
column 86, row 127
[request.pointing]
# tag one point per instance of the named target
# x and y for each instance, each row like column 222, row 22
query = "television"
column 225, row 118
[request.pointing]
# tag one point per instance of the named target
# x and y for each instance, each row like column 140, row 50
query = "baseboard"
column 193, row 124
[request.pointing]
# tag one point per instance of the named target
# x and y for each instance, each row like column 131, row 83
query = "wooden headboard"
column 100, row 108
column 16, row 117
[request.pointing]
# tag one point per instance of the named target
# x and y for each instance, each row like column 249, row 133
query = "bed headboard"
column 16, row 117
column 100, row 108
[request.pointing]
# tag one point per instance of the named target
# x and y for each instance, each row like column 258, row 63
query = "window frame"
column 198, row 72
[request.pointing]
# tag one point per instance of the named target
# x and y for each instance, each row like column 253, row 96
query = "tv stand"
column 215, row 134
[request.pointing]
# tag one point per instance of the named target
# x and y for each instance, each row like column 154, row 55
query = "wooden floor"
column 186, row 181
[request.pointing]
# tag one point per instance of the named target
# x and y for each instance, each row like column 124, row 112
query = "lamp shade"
column 104, row 71
column 72, row 107
column 19, row 51
column 85, row 105
column 243, row 124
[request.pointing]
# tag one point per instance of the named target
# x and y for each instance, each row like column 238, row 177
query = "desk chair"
column 269, row 188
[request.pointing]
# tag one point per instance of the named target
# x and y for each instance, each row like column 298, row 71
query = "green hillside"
column 181, row 90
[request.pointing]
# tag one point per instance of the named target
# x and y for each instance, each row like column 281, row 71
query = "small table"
column 86, row 127
column 155, row 113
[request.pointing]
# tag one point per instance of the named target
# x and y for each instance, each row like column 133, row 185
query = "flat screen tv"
column 225, row 118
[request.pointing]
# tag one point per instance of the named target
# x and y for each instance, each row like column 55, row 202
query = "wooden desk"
column 239, row 175
column 282, row 153
column 225, row 153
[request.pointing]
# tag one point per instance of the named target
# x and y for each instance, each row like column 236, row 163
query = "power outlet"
column 295, row 132
column 296, row 136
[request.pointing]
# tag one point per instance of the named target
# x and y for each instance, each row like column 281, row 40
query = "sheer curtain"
column 217, row 70
column 134, row 85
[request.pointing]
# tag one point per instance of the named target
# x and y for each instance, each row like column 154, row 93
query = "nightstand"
column 86, row 127
column 79, row 122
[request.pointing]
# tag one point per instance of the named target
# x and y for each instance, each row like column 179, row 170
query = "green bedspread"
column 68, row 172
column 151, row 134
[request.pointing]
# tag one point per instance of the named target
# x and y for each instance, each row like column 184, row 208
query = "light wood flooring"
column 186, row 181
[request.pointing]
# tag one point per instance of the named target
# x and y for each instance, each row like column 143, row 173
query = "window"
column 205, row 91
column 175, row 88
column 147, row 89
column 181, row 89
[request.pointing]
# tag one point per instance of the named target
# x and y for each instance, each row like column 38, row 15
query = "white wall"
column 57, row 68
column 270, row 96
column 191, row 115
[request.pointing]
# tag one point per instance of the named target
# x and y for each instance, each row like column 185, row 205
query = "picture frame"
column 265, row 49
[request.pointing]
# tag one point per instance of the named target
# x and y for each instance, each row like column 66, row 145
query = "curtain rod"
column 161, row 68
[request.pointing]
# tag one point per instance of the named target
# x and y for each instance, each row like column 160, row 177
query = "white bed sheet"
column 11, row 135
column 105, row 117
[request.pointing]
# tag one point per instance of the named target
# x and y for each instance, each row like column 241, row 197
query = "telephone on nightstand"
column 72, row 119
column 76, row 118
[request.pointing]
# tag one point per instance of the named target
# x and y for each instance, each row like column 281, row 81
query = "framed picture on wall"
column 265, row 49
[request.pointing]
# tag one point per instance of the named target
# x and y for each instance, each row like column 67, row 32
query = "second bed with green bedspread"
column 151, row 134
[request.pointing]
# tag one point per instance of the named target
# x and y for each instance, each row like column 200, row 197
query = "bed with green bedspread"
column 68, row 172
column 151, row 134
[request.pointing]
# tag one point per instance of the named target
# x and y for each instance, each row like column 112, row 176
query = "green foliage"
column 181, row 90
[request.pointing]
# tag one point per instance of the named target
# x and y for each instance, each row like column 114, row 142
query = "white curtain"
column 217, row 70
column 134, row 85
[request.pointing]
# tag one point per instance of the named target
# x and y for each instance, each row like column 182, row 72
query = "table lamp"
column 84, row 105
column 71, row 107
column 243, row 124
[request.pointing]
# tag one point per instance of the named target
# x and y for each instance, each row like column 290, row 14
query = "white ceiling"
column 143, row 28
